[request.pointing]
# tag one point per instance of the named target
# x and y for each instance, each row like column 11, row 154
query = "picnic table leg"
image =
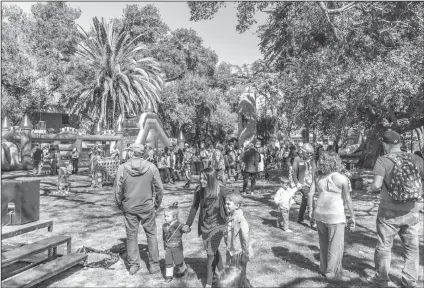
column 68, row 247
column 50, row 229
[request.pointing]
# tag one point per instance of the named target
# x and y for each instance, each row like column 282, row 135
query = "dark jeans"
column 406, row 225
column 304, row 204
column 167, row 173
column 148, row 221
column 331, row 247
column 74, row 166
column 36, row 166
column 246, row 176
column 174, row 256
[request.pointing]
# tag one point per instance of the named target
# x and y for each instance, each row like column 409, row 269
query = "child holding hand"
column 173, row 243
column 284, row 200
column 237, row 235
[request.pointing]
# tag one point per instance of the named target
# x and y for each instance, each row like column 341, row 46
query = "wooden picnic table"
column 15, row 230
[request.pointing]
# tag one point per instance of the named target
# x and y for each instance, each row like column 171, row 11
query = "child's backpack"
column 406, row 185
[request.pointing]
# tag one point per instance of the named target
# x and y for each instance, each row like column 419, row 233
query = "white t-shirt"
column 284, row 197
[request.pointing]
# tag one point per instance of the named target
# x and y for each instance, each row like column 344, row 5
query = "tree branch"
column 325, row 11
column 412, row 125
column 341, row 9
column 174, row 78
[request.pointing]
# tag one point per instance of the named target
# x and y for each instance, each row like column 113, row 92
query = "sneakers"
column 372, row 282
column 153, row 269
column 134, row 269
column 288, row 230
column 169, row 279
column 303, row 222
column 338, row 278
column 314, row 225
column 182, row 275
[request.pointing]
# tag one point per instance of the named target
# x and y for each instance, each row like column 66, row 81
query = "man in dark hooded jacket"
column 138, row 192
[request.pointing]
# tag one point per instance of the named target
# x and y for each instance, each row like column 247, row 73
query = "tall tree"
column 144, row 21
column 191, row 105
column 347, row 63
column 37, row 56
column 125, row 79
column 183, row 52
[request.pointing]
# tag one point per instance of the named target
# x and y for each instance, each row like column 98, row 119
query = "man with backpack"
column 399, row 175
column 138, row 192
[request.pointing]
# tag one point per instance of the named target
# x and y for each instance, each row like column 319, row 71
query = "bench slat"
column 15, row 255
column 11, row 231
column 40, row 273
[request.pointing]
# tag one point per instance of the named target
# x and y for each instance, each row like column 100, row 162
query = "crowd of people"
column 323, row 183
column 318, row 175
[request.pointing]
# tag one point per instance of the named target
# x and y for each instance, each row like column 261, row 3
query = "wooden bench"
column 11, row 231
column 40, row 273
column 13, row 256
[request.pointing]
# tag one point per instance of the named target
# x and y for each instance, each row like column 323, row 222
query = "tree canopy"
column 341, row 64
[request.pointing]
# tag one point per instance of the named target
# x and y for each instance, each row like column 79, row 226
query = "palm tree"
column 125, row 81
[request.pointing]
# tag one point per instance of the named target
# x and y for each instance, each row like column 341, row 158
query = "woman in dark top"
column 212, row 216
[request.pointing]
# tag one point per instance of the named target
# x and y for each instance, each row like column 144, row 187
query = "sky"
column 219, row 33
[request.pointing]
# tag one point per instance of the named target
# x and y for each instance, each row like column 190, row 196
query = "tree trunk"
column 372, row 148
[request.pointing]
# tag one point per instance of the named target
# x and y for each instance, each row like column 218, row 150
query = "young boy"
column 237, row 235
column 173, row 243
column 284, row 199
column 63, row 185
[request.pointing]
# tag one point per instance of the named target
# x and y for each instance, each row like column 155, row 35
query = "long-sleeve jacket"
column 209, row 217
column 138, row 187
column 300, row 170
column 237, row 234
column 172, row 235
column 251, row 159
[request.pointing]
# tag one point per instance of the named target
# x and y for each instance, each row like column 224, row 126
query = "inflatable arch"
column 151, row 130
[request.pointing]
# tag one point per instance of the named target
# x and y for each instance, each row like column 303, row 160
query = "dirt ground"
column 280, row 259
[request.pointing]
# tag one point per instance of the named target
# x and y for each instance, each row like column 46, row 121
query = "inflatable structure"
column 151, row 130
column 247, row 118
column 18, row 142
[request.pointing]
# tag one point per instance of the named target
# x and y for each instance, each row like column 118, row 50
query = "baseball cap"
column 391, row 137
column 137, row 148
